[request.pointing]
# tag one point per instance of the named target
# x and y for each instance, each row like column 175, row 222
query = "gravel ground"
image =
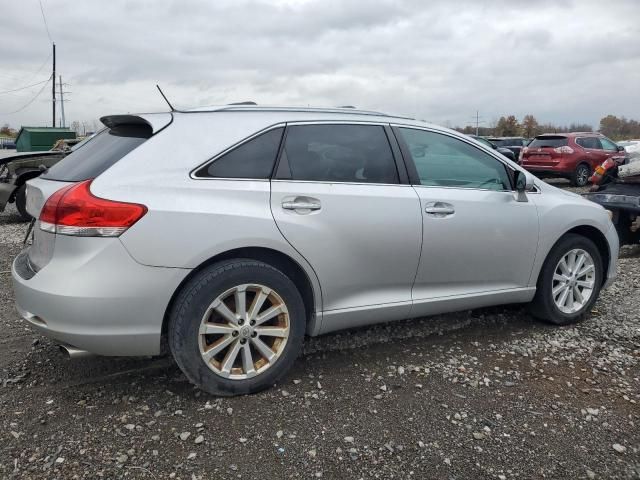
column 481, row 394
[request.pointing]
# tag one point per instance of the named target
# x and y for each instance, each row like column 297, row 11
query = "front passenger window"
column 444, row 161
column 608, row 145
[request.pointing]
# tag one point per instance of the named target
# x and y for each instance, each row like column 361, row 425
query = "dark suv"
column 569, row 155
column 515, row 144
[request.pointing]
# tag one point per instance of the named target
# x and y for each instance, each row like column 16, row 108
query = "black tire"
column 196, row 296
column 543, row 306
column 580, row 176
column 21, row 203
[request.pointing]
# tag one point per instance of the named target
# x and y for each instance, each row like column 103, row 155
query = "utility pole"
column 477, row 121
column 53, row 86
column 64, row 123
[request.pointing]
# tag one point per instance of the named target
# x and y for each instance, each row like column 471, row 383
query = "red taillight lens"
column 564, row 149
column 74, row 210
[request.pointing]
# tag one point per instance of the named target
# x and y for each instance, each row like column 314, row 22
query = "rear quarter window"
column 99, row 153
column 253, row 159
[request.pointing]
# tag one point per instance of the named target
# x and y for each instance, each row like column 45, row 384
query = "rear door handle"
column 300, row 206
column 439, row 209
column 303, row 203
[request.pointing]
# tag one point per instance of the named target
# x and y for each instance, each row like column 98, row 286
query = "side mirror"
column 621, row 148
column 524, row 184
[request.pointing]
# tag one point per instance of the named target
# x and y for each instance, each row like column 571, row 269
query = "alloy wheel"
column 244, row 331
column 573, row 281
column 582, row 176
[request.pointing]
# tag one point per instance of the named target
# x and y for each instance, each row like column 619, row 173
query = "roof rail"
column 255, row 108
column 248, row 102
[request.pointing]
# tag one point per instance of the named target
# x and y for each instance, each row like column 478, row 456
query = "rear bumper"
column 97, row 299
column 550, row 170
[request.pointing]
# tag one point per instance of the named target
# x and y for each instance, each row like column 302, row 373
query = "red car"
column 570, row 155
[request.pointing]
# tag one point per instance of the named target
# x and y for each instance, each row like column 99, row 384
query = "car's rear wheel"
column 21, row 203
column 581, row 175
column 237, row 327
column 569, row 282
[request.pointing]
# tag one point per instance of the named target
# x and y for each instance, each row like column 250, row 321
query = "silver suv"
column 235, row 231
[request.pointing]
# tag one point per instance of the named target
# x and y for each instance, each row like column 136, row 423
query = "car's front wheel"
column 569, row 282
column 237, row 327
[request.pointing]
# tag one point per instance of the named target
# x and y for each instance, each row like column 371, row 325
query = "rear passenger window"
column 338, row 153
column 252, row 159
column 589, row 142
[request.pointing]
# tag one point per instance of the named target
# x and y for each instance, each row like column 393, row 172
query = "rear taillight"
column 74, row 210
column 522, row 152
column 563, row 149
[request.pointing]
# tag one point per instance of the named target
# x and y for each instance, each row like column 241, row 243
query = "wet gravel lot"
column 482, row 394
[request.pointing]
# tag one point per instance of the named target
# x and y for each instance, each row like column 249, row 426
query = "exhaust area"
column 73, row 352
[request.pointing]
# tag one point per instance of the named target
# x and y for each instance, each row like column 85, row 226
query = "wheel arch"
column 275, row 258
column 593, row 234
column 22, row 176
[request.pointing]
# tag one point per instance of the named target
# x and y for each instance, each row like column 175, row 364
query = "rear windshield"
column 549, row 141
column 99, row 153
column 507, row 142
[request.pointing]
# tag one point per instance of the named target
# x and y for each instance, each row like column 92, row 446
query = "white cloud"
column 562, row 61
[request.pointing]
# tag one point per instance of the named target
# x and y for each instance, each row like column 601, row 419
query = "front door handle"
column 439, row 209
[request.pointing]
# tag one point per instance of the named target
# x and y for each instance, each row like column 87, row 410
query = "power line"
column 45, row 21
column 25, row 87
column 30, row 101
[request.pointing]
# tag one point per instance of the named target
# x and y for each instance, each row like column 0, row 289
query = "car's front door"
column 477, row 237
column 337, row 198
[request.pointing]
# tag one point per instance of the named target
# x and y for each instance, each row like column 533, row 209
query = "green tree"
column 507, row 127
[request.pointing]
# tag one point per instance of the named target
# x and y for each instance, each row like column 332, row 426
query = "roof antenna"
column 165, row 98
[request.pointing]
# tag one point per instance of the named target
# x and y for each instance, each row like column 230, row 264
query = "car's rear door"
column 594, row 154
column 338, row 199
column 478, row 238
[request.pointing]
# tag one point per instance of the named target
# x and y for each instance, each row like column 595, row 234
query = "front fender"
column 559, row 218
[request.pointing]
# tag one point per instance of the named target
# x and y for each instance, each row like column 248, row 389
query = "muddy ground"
column 482, row 394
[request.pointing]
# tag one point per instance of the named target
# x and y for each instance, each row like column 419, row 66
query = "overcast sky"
column 560, row 60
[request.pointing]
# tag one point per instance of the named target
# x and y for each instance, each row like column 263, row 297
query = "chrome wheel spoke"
column 558, row 289
column 258, row 302
column 216, row 329
column 272, row 332
column 269, row 314
column 564, row 267
column 563, row 298
column 218, row 347
column 587, row 269
column 560, row 278
column 240, row 296
column 230, row 358
column 577, row 295
column 579, row 262
column 585, row 283
column 247, row 360
column 219, row 307
column 263, row 348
